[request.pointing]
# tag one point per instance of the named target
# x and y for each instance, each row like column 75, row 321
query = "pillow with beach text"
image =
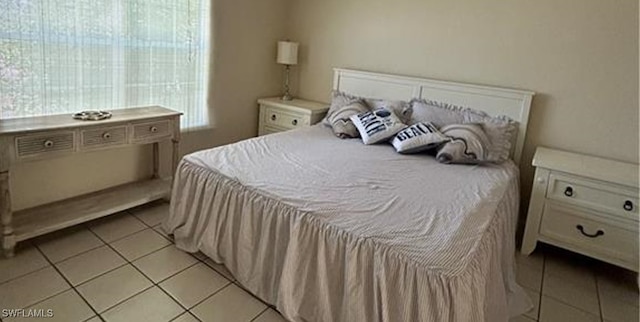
column 419, row 137
column 378, row 125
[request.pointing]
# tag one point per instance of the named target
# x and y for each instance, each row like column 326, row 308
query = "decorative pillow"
column 402, row 109
column 468, row 144
column 339, row 115
column 339, row 100
column 501, row 131
column 378, row 125
column 439, row 114
column 417, row 138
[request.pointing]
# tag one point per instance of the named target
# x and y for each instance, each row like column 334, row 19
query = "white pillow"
column 417, row 138
column 378, row 125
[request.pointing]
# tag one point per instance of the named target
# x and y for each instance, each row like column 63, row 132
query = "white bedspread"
column 333, row 230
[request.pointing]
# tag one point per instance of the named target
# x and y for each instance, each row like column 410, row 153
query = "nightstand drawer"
column 584, row 231
column 104, row 136
column 272, row 129
column 606, row 197
column 36, row 144
column 276, row 117
column 150, row 131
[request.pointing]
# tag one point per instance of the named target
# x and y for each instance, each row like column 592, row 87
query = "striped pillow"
column 467, row 144
column 338, row 117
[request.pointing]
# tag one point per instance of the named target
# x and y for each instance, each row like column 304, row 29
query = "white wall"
column 580, row 56
column 245, row 33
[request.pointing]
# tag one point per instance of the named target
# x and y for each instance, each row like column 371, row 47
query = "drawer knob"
column 568, row 192
column 294, row 122
column 106, row 135
column 48, row 144
column 273, row 117
column 628, row 205
column 153, row 129
column 540, row 180
column 598, row 233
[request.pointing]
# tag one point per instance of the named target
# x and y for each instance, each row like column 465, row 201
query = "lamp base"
column 287, row 97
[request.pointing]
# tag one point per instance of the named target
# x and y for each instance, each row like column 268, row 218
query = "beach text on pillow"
column 378, row 125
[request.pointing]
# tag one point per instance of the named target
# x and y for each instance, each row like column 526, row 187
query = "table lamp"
column 287, row 55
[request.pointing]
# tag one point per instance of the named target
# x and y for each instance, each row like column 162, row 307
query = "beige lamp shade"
column 287, row 53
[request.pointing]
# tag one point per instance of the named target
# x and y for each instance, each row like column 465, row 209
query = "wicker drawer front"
column 151, row 130
column 106, row 136
column 36, row 144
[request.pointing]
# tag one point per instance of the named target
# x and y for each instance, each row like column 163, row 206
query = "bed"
column 334, row 230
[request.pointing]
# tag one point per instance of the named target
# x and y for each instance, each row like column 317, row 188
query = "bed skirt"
column 312, row 271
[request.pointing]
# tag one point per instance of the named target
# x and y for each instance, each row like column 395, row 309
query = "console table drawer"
column 36, row 144
column 151, row 130
column 105, row 136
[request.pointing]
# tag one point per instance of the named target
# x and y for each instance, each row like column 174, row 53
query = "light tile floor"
column 125, row 268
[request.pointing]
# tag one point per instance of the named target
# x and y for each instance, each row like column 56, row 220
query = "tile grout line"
column 599, row 299
column 237, row 283
column 121, row 237
column 544, row 267
column 134, row 267
column 70, row 257
column 176, row 273
column 259, row 314
column 70, row 285
column 185, row 312
column 147, row 277
column 562, row 300
column 208, row 297
column 88, row 228
column 126, row 299
column 234, row 282
column 23, row 275
column 53, row 265
column 130, row 262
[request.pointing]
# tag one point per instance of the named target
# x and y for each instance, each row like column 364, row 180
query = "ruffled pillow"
column 501, row 130
column 468, row 144
column 417, row 138
column 378, row 125
column 342, row 108
column 402, row 109
column 436, row 113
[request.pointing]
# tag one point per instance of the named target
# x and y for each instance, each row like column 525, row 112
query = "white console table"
column 43, row 137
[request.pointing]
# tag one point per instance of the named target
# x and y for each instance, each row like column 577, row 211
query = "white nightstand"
column 584, row 204
column 277, row 115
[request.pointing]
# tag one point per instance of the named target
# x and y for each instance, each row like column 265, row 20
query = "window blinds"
column 64, row 56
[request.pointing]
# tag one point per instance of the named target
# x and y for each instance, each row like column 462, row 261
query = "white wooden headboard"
column 493, row 100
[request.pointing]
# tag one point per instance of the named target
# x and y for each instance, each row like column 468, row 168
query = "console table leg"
column 175, row 158
column 8, row 237
column 156, row 160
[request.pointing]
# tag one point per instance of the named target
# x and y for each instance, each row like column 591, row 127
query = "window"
column 64, row 56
